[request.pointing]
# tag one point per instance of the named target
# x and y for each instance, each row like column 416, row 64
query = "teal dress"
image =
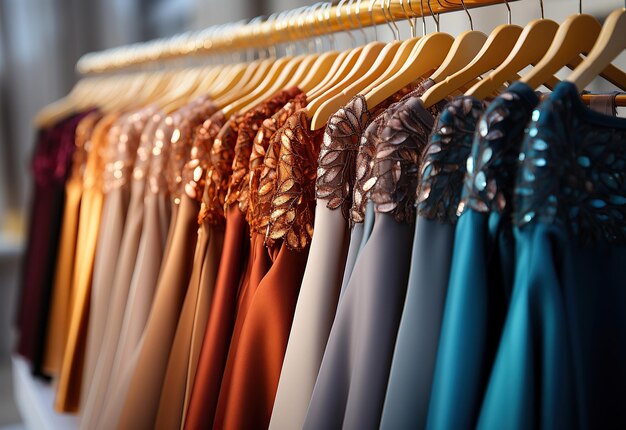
column 442, row 172
column 483, row 264
column 561, row 362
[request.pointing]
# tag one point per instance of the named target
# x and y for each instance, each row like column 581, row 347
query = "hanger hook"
column 326, row 19
column 357, row 19
column 541, row 7
column 423, row 18
column 469, row 17
column 370, row 12
column 358, row 14
column 396, row 33
column 339, row 20
column 408, row 18
column 580, row 6
column 432, row 14
column 508, row 9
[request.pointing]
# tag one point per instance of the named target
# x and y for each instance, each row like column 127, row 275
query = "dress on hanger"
column 265, row 313
column 321, row 284
column 350, row 387
column 483, row 258
column 51, row 166
column 70, row 377
column 119, row 158
column 561, row 362
column 183, row 360
column 229, row 191
column 156, row 340
column 442, row 172
column 60, row 305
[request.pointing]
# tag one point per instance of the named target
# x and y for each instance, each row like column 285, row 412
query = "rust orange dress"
column 265, row 313
column 233, row 264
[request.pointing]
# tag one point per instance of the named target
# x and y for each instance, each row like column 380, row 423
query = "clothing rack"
column 298, row 24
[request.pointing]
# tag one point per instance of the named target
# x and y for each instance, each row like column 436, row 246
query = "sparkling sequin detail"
column 336, row 172
column 387, row 161
column 144, row 151
column 444, row 159
column 573, row 171
column 181, row 142
column 239, row 186
column 293, row 203
column 194, row 172
column 492, row 165
column 219, row 170
column 120, row 154
column 83, row 144
column 263, row 162
column 157, row 177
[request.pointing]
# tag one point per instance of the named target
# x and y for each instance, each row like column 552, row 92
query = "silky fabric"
column 185, row 351
column 321, row 284
column 58, row 322
column 142, row 290
column 359, row 235
column 263, row 322
column 51, row 166
column 439, row 192
column 350, row 387
column 483, row 257
column 70, row 377
column 175, row 268
column 231, row 153
column 109, row 297
column 561, row 362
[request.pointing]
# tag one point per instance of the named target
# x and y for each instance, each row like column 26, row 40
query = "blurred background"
column 40, row 42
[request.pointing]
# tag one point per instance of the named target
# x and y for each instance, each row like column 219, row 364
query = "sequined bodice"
column 492, row 165
column 239, row 186
column 293, row 204
column 573, row 170
column 263, row 163
column 181, row 142
column 83, row 143
column 336, row 171
column 388, row 158
column 444, row 159
column 119, row 156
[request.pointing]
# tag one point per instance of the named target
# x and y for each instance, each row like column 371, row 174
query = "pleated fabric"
column 561, row 361
column 70, row 377
column 483, row 257
column 442, row 173
column 60, row 307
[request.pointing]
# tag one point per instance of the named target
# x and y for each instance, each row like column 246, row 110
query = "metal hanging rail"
column 317, row 20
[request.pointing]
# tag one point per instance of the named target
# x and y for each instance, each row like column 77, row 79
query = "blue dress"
column 561, row 362
column 482, row 264
column 442, row 173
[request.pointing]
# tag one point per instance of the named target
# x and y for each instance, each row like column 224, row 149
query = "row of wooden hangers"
column 473, row 63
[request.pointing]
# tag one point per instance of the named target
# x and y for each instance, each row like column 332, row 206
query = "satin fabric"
column 60, row 308
column 484, row 258
column 359, row 235
column 70, row 377
column 561, row 361
column 220, row 325
column 51, row 166
column 124, row 187
column 439, row 193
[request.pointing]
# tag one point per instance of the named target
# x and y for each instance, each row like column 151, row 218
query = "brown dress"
column 233, row 264
column 70, row 377
column 265, row 313
column 59, row 320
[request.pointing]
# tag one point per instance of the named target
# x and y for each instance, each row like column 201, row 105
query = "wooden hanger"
column 610, row 43
column 575, row 36
column 249, row 81
column 342, row 66
column 492, row 54
column 319, row 70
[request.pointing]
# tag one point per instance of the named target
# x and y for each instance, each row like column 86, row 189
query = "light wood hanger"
column 575, row 36
column 530, row 48
column 610, row 43
column 436, row 50
column 249, row 81
column 319, row 70
column 492, row 54
column 343, row 64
